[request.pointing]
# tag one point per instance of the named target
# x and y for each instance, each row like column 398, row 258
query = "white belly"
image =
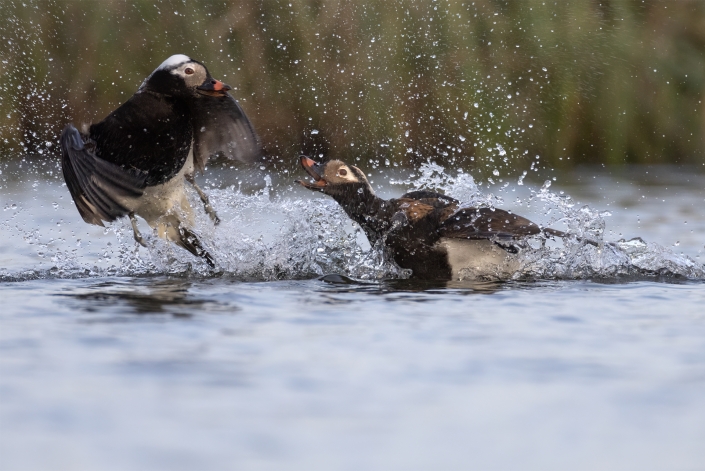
column 165, row 199
column 483, row 259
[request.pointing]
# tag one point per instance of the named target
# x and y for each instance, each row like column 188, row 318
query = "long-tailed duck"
column 136, row 160
column 428, row 232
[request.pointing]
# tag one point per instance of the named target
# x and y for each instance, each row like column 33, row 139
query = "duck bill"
column 315, row 171
column 213, row 87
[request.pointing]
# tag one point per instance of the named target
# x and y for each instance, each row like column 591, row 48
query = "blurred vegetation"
column 485, row 85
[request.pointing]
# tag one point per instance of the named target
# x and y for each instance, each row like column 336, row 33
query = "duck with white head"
column 135, row 162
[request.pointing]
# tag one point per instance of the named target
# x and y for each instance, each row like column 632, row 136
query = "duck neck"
column 369, row 211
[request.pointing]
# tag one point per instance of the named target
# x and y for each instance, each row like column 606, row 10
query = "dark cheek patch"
column 359, row 175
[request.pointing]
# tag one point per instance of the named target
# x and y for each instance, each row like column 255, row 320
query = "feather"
column 221, row 126
column 98, row 187
column 487, row 223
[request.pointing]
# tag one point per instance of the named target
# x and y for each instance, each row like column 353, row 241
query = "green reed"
column 477, row 84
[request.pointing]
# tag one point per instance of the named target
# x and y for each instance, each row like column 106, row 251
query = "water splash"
column 268, row 236
column 570, row 258
column 461, row 186
column 264, row 237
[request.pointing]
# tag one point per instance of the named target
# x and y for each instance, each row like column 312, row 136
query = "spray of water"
column 265, row 235
column 570, row 258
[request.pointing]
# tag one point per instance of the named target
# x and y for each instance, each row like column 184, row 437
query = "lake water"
column 119, row 357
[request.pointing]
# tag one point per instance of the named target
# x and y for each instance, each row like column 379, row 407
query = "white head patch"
column 173, row 61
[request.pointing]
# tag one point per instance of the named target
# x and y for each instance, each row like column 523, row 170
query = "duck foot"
column 135, row 231
column 190, row 242
column 204, row 198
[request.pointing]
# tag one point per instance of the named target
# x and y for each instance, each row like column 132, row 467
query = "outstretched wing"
column 99, row 188
column 221, row 126
column 488, row 223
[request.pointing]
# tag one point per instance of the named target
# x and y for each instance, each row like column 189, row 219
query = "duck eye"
column 342, row 172
column 188, row 71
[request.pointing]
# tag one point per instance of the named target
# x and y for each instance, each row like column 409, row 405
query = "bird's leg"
column 190, row 242
column 206, row 204
column 136, row 232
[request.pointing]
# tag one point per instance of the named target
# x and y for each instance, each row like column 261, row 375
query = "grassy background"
column 483, row 85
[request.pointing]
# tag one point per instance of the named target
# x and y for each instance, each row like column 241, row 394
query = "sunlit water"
column 119, row 357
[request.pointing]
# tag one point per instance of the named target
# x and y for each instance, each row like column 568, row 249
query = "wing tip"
column 71, row 137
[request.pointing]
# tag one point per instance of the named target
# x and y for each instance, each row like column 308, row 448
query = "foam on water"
column 267, row 236
column 278, row 237
column 261, row 237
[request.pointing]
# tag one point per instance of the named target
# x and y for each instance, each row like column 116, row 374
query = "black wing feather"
column 221, row 126
column 488, row 223
column 95, row 184
column 437, row 200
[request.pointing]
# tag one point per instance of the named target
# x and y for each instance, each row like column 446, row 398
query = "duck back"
column 150, row 132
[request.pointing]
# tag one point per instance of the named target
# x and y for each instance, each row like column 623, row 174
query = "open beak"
column 213, row 87
column 313, row 169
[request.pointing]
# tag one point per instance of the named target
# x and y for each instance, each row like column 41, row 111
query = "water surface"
column 118, row 357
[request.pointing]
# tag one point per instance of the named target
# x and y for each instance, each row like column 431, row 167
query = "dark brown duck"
column 136, row 161
column 425, row 231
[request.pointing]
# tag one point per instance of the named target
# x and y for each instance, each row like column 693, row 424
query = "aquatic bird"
column 136, row 161
column 427, row 232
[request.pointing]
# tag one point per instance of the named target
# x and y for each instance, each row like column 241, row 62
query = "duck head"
column 180, row 75
column 337, row 179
